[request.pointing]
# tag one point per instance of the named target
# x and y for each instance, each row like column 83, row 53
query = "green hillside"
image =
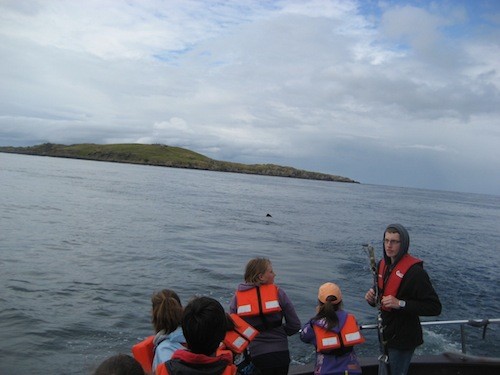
column 166, row 156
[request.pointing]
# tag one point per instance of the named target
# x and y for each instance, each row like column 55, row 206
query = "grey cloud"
column 326, row 91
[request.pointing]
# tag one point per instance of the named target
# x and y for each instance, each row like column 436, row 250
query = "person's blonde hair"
column 256, row 267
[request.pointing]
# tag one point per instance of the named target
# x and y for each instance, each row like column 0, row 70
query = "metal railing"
column 471, row 322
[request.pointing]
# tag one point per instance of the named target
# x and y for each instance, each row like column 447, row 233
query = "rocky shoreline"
column 166, row 156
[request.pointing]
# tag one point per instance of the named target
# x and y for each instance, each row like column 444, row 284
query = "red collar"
column 190, row 357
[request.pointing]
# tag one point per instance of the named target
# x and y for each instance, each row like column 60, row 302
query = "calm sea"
column 84, row 244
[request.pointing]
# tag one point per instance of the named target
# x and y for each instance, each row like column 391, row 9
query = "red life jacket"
column 181, row 356
column 393, row 282
column 238, row 339
column 350, row 335
column 248, row 300
column 163, row 370
column 144, row 353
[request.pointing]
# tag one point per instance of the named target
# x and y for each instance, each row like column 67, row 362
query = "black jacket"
column 402, row 327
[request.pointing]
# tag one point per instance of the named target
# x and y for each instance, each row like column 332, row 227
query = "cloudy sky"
column 402, row 93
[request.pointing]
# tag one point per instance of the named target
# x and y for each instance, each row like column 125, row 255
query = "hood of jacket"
column 245, row 286
column 175, row 337
column 404, row 246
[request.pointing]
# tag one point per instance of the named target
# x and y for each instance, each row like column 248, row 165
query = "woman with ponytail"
column 166, row 319
column 334, row 333
column 166, row 316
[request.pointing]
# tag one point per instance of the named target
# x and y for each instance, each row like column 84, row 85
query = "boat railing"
column 480, row 323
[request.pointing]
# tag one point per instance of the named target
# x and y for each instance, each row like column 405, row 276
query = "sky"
column 398, row 93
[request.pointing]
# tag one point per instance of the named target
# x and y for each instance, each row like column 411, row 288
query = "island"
column 165, row 156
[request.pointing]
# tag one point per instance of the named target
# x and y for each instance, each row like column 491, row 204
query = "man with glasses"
column 404, row 293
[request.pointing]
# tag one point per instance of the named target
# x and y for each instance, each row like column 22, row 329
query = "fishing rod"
column 384, row 357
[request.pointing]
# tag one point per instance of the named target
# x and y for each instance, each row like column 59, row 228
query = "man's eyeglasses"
column 391, row 242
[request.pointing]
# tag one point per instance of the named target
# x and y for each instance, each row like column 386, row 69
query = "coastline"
column 165, row 156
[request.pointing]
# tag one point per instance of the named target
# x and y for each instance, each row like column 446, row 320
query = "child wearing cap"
column 334, row 333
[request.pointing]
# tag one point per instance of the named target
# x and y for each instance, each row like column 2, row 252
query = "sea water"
column 84, row 244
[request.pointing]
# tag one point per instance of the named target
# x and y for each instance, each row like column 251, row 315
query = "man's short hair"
column 204, row 325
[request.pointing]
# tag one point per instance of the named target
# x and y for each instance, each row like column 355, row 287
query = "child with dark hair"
column 334, row 333
column 204, row 323
column 267, row 308
column 166, row 316
column 120, row 364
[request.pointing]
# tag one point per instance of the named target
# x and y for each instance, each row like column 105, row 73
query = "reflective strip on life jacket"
column 238, row 339
column 394, row 280
column 353, row 338
column 143, row 352
column 327, row 341
column 248, row 301
column 235, row 342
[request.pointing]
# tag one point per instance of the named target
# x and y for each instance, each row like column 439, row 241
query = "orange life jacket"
column 393, row 282
column 144, row 353
column 350, row 335
column 238, row 339
column 248, row 300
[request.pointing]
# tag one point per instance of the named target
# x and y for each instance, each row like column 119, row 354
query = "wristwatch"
column 402, row 304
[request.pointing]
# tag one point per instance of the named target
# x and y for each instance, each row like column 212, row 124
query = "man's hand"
column 370, row 297
column 390, row 302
